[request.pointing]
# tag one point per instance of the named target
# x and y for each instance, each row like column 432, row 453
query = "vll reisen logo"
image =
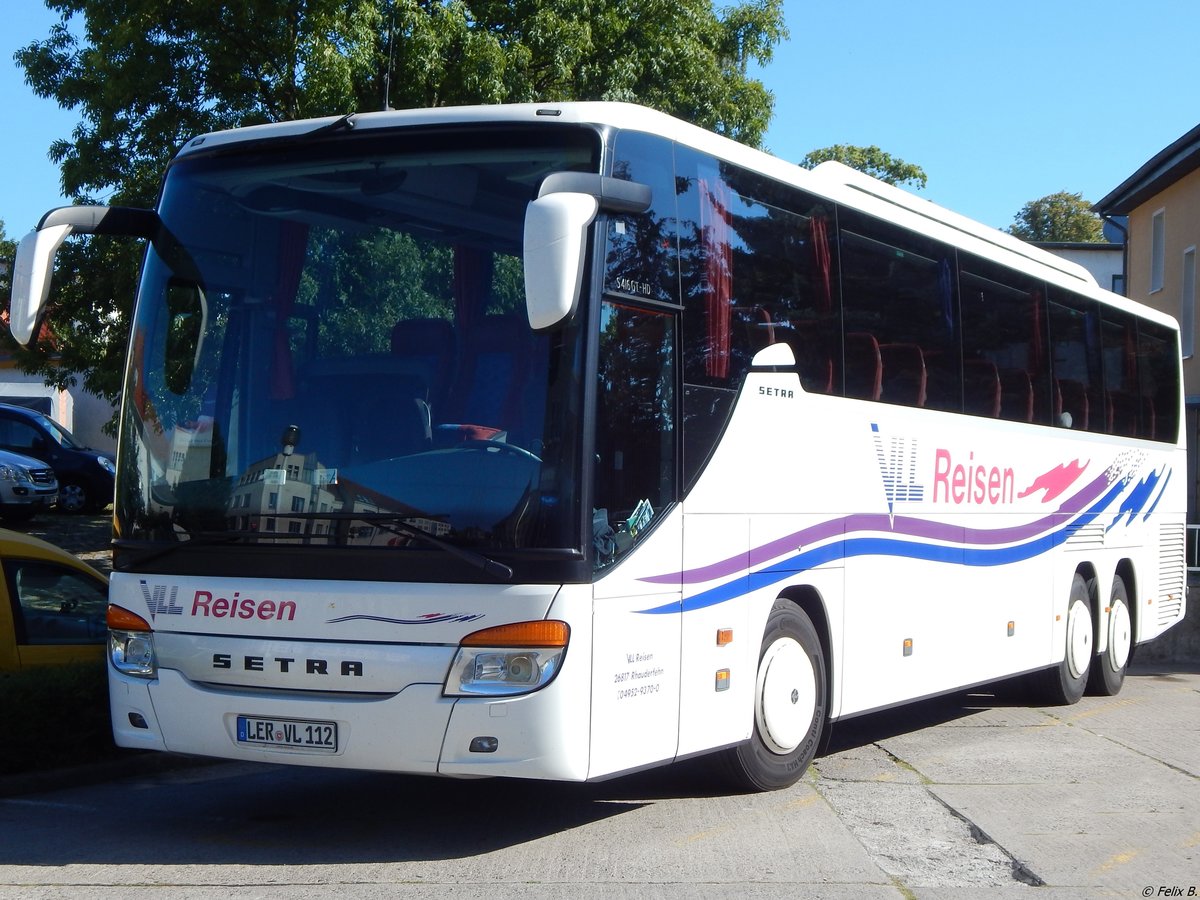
column 159, row 601
column 898, row 468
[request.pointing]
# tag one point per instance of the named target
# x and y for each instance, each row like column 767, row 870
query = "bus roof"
column 831, row 180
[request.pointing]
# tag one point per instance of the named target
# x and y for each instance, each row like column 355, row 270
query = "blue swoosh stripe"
column 876, row 546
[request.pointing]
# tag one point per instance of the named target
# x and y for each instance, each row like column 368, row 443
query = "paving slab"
column 1101, row 796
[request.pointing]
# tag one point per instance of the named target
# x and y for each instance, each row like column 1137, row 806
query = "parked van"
column 85, row 476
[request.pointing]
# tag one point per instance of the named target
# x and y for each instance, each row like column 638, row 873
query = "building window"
column 1158, row 237
column 1187, row 304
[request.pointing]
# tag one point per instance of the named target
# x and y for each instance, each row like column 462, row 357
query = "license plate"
column 295, row 734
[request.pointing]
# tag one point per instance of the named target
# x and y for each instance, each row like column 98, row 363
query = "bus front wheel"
column 1108, row 668
column 789, row 704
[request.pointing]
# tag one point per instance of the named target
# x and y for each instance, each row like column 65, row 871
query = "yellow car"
column 52, row 608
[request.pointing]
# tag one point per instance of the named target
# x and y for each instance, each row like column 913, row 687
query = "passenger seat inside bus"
column 343, row 423
column 814, row 361
column 981, row 388
column 1073, row 403
column 904, row 377
column 1016, row 395
column 429, row 345
column 491, row 390
column 1120, row 413
column 863, row 366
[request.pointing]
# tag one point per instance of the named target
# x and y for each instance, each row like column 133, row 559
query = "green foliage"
column 871, row 160
column 63, row 717
column 1058, row 217
column 147, row 76
column 8, row 250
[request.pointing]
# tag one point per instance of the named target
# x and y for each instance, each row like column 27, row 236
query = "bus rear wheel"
column 1108, row 668
column 1063, row 685
column 789, row 705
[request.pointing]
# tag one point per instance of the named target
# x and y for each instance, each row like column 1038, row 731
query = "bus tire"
column 1108, row 668
column 1063, row 685
column 789, row 705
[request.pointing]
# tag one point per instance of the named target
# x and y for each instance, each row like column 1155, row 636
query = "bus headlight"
column 130, row 643
column 508, row 659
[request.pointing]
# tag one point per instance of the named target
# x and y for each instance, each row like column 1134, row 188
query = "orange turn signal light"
column 543, row 633
column 120, row 619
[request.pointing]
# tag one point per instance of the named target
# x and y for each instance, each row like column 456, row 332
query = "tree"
column 147, row 76
column 871, row 160
column 1058, row 217
column 8, row 250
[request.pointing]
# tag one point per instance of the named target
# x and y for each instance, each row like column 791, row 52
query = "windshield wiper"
column 492, row 567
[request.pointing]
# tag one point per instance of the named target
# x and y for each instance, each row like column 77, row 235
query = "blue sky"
column 1000, row 103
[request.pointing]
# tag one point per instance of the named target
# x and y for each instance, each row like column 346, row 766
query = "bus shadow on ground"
column 276, row 815
column 871, row 728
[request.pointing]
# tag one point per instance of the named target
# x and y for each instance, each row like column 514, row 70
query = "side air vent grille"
column 1172, row 572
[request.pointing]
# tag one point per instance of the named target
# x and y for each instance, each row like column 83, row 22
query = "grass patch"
column 55, row 716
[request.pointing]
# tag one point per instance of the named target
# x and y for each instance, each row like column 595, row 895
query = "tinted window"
column 635, row 426
column 757, row 267
column 56, row 605
column 641, row 256
column 20, row 437
column 1004, row 343
column 1075, row 348
column 1119, row 360
column 900, row 312
column 1158, row 382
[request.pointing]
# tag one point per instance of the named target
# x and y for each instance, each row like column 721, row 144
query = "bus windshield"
column 331, row 349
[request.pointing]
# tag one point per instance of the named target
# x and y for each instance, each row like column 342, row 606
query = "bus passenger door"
column 635, row 656
column 637, row 538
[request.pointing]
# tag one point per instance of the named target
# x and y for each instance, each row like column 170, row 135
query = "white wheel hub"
column 787, row 695
column 1079, row 638
column 1120, row 635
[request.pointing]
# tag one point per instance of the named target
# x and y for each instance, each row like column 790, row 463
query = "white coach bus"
column 560, row 441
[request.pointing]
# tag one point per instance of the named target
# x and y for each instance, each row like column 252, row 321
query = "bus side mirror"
column 555, row 242
column 35, row 255
column 31, row 280
column 556, row 226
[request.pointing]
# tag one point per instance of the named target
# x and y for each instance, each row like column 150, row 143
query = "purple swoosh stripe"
column 905, row 525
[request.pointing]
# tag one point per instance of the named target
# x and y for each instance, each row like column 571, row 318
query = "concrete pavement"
column 968, row 796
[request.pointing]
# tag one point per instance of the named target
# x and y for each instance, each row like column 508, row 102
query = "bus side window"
column 1003, row 322
column 758, row 266
column 1158, row 382
column 1118, row 337
column 1075, row 339
column 898, row 287
column 640, row 256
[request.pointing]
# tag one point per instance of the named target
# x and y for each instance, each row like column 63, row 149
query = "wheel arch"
column 1091, row 578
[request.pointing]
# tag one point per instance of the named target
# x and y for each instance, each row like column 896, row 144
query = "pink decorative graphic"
column 1055, row 481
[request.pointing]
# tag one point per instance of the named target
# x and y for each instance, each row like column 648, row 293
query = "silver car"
column 27, row 486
